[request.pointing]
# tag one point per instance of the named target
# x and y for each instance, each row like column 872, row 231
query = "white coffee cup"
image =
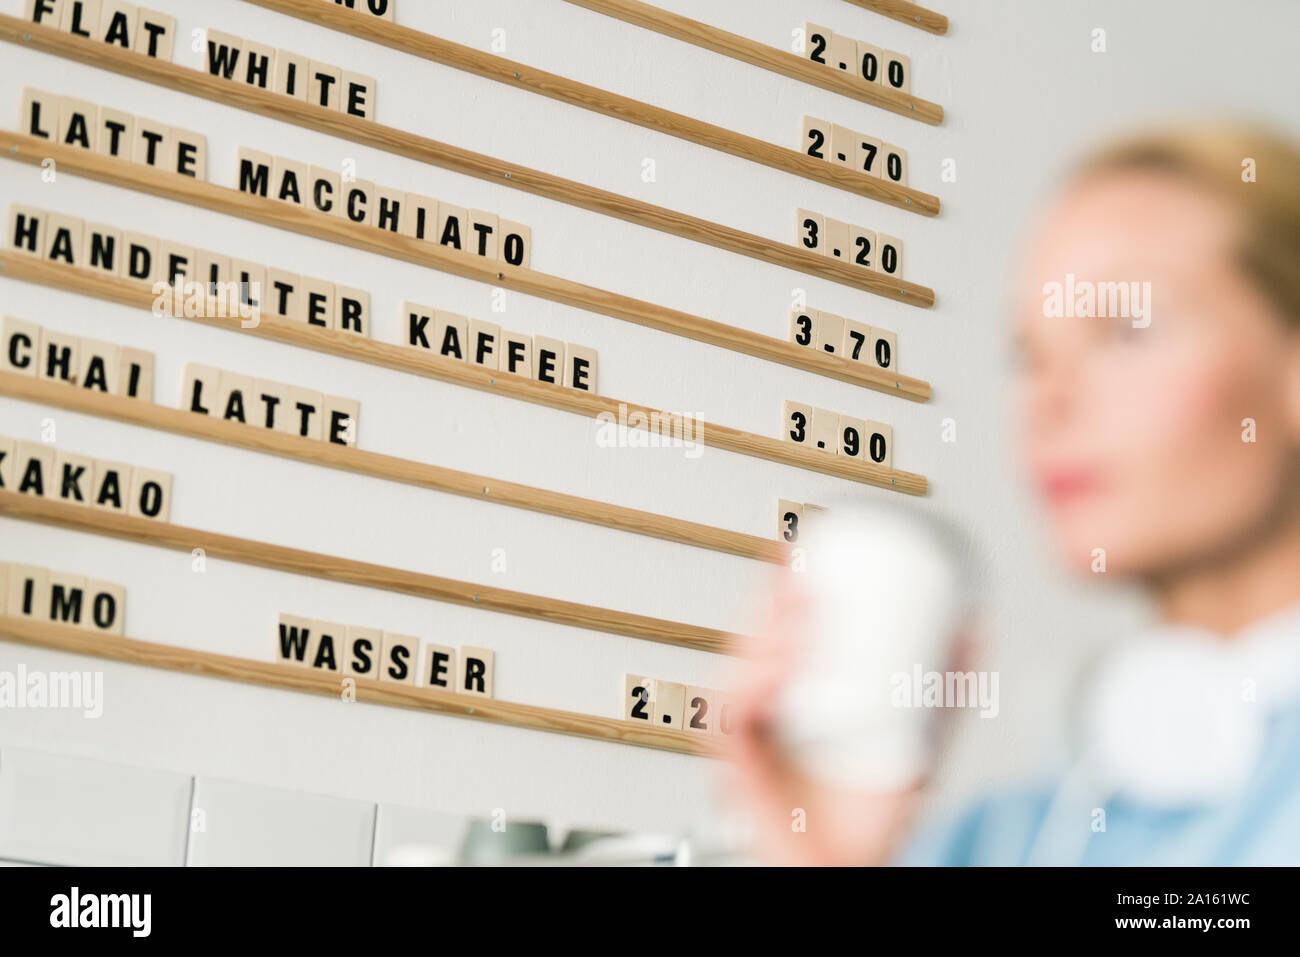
column 888, row 591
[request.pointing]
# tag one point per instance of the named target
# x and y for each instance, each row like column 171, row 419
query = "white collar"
column 1178, row 716
column 1269, row 652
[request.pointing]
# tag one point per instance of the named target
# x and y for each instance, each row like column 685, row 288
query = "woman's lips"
column 1063, row 485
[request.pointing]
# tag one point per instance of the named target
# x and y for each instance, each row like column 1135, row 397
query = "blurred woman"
column 1164, row 442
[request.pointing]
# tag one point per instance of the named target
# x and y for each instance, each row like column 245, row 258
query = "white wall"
column 1022, row 91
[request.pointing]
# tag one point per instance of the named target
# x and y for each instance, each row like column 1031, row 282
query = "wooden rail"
column 524, row 77
column 82, row 518
column 331, row 455
column 429, row 365
column 401, row 143
column 300, row 219
column 757, row 54
column 207, row 664
column 905, row 12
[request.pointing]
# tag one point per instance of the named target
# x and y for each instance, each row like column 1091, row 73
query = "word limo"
column 28, row 591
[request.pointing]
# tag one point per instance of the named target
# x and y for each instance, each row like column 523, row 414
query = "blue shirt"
column 1260, row 825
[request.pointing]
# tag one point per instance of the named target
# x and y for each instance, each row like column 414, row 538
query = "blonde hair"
column 1217, row 156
